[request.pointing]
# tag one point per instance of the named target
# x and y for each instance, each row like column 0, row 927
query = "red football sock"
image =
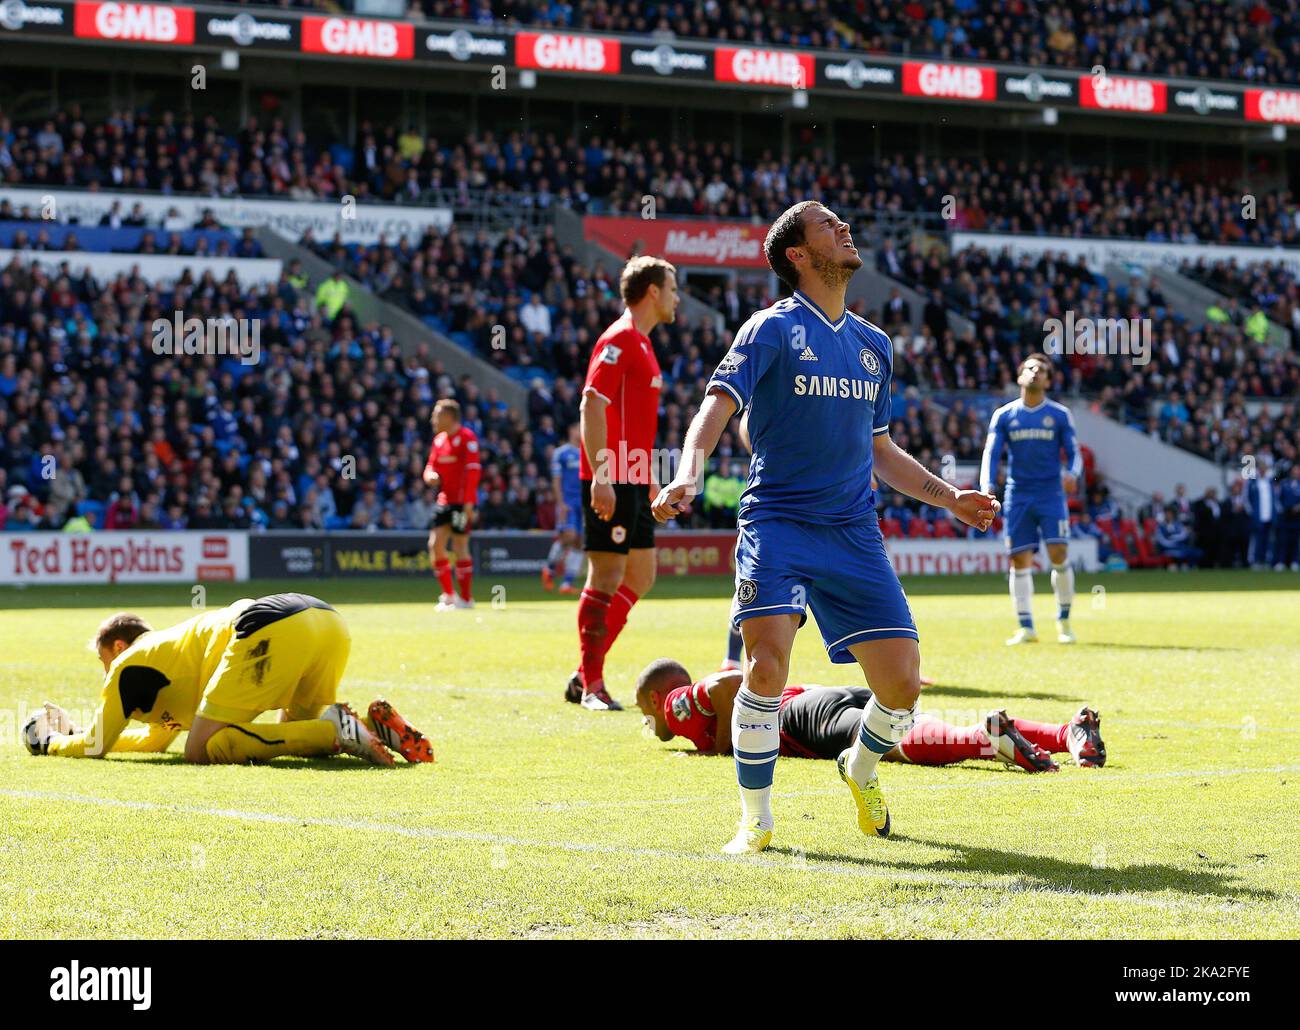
column 593, row 609
column 442, row 568
column 931, row 742
column 616, row 618
column 465, row 577
column 1050, row 736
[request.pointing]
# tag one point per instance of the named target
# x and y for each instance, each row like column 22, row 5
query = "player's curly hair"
column 786, row 231
column 124, row 626
column 659, row 670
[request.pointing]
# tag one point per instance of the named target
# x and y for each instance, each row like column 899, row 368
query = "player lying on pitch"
column 820, row 722
column 215, row 673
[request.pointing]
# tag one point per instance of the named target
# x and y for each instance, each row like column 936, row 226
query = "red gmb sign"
column 552, row 51
column 1115, row 93
column 1273, row 105
column 358, row 37
column 765, row 67
column 137, row 23
column 950, row 81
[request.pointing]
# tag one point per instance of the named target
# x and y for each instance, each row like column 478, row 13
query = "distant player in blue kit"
column 814, row 379
column 565, row 559
column 1035, row 431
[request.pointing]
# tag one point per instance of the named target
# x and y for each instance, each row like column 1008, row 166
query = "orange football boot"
column 398, row 734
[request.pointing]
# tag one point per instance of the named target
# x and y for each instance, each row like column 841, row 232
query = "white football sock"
column 1022, row 595
column 1063, row 587
column 756, row 739
column 881, row 729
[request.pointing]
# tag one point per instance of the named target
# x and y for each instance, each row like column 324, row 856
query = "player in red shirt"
column 817, row 721
column 453, row 469
column 619, row 418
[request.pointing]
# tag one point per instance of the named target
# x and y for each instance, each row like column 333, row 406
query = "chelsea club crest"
column 869, row 361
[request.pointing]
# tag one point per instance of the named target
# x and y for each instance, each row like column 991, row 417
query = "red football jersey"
column 625, row 372
column 690, row 714
column 454, row 456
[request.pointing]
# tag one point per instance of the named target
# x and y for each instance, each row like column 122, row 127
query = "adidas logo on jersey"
column 807, row 354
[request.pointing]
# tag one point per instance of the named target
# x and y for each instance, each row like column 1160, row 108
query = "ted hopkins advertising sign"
column 126, row 557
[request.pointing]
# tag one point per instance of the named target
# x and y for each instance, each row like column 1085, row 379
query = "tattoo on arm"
column 935, row 487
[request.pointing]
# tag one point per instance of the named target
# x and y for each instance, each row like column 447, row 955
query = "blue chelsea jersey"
column 1034, row 438
column 565, row 466
column 818, row 394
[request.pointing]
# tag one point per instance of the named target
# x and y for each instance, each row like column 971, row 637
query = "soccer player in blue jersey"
column 814, row 379
column 1035, row 432
column 565, row 558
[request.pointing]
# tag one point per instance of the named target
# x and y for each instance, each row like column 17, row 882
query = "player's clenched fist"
column 975, row 509
column 673, row 499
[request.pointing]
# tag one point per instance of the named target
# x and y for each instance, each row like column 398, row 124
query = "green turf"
column 544, row 820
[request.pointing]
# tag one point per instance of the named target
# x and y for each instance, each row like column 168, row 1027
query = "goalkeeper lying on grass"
column 213, row 675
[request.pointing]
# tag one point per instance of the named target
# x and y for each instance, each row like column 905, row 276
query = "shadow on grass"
column 946, row 690
column 1215, row 879
column 289, row 763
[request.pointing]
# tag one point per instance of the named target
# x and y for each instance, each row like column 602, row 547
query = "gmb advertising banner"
column 284, row 33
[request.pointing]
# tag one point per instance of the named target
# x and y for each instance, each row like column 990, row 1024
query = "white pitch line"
column 1013, row 780
column 797, row 862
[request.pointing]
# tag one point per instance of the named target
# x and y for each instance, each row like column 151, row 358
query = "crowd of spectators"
column 329, row 429
column 1216, row 386
column 1238, row 40
column 1255, row 525
column 155, row 442
column 523, row 302
column 182, row 154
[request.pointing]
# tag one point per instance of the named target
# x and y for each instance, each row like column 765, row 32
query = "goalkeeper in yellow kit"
column 217, row 672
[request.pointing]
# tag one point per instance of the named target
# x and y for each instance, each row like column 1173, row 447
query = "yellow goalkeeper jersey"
column 158, row 680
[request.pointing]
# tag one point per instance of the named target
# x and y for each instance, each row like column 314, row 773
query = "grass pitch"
column 540, row 819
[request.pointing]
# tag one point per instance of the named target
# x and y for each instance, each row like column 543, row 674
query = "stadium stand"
column 1245, row 39
column 188, row 155
column 1216, row 375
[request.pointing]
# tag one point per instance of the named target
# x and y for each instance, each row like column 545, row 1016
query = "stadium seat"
column 1148, row 557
